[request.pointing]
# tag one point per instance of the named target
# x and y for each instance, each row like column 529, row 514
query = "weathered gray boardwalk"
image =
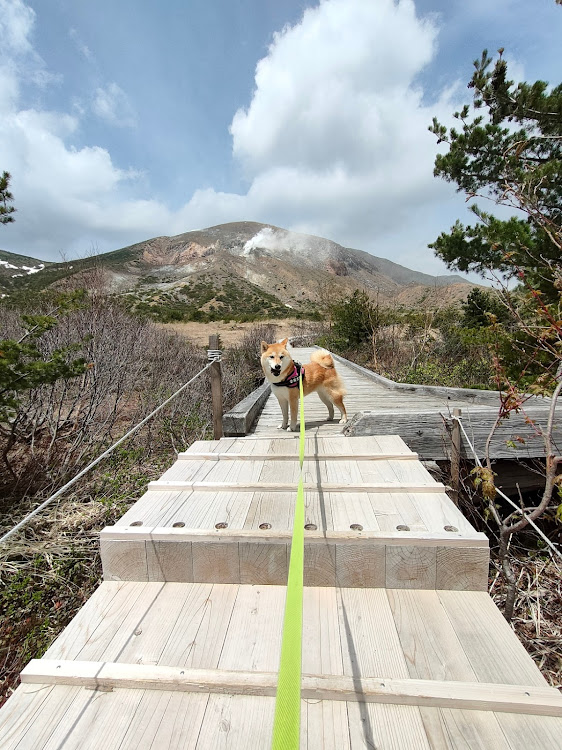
column 421, row 415
column 363, row 393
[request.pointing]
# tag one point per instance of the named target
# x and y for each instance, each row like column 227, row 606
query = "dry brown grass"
column 537, row 619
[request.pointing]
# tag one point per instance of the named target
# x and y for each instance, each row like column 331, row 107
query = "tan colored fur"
column 320, row 376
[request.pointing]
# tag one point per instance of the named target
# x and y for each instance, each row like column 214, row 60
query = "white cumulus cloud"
column 333, row 142
column 112, row 104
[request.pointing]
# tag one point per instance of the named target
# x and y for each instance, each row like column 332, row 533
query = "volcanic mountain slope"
column 13, row 267
column 249, row 265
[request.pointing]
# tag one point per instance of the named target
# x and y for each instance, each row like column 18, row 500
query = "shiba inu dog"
column 318, row 375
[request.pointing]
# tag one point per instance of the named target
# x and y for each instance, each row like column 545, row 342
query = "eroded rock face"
column 337, row 267
column 162, row 252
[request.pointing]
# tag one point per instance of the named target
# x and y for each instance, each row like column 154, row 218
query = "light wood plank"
column 231, row 722
column 198, row 634
column 253, row 639
column 369, row 641
column 112, row 602
column 272, row 536
column 380, row 726
column 214, row 456
column 322, row 652
column 32, row 714
column 258, row 486
column 427, row 637
column 166, row 721
column 474, row 696
column 456, row 729
column 324, row 724
column 495, row 653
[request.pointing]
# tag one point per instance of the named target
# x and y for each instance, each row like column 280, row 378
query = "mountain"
column 242, row 267
column 14, row 267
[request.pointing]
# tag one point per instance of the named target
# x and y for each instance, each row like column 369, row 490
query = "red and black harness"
column 292, row 380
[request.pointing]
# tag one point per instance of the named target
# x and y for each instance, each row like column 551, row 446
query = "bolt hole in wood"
column 310, row 526
column 356, row 527
column 136, row 523
column 221, row 525
column 178, row 525
column 402, row 527
column 450, row 528
column 265, row 526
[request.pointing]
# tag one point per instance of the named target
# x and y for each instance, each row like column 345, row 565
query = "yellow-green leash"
column 286, row 725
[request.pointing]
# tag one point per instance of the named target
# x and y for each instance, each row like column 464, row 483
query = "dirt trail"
column 229, row 333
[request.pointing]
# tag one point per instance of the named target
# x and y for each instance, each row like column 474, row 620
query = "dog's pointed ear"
column 284, row 342
column 264, row 346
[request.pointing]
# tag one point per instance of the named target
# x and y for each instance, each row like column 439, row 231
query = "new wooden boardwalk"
column 179, row 646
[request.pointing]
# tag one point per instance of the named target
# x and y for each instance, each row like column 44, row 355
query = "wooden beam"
column 280, row 536
column 456, row 456
column 216, row 389
column 179, row 486
column 187, row 456
column 473, row 696
column 425, row 433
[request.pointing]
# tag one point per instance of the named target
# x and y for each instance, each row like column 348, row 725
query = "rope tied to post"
column 106, row 453
column 286, row 725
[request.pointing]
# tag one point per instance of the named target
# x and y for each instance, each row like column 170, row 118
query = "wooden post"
column 216, row 388
column 456, row 456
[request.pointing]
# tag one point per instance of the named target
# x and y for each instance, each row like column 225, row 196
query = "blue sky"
column 121, row 121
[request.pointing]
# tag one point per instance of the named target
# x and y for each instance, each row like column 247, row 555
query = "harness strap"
column 292, row 380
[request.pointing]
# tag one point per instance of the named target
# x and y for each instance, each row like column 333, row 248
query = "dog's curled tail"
column 323, row 358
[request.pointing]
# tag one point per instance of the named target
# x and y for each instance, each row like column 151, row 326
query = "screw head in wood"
column 356, row 527
column 402, row 527
column 221, row 525
column 178, row 525
column 264, row 526
column 136, row 523
column 310, row 526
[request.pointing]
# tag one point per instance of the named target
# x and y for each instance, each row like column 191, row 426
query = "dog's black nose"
column 276, row 370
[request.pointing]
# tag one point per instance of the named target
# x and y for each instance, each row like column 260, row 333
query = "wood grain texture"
column 462, row 569
column 474, row 696
column 411, row 567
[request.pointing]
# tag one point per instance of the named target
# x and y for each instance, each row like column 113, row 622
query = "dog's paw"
column 293, row 428
column 282, row 427
column 343, row 420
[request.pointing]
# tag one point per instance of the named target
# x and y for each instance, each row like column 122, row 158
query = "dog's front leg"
column 284, row 404
column 294, row 404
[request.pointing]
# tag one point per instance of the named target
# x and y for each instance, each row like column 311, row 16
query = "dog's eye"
column 280, row 356
column 271, row 356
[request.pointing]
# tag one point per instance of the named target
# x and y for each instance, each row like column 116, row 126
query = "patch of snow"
column 8, row 265
column 15, row 275
column 33, row 269
column 288, row 305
